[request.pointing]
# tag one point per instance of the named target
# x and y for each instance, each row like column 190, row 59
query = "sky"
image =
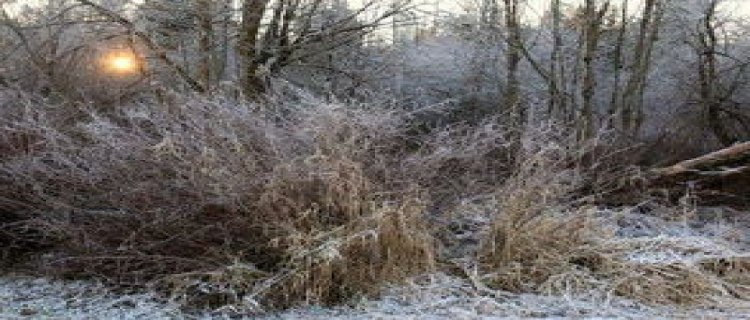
column 533, row 8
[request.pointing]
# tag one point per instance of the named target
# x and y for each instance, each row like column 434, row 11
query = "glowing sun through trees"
column 121, row 63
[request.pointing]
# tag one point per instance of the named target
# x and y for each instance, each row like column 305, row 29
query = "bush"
column 150, row 193
column 261, row 206
column 545, row 238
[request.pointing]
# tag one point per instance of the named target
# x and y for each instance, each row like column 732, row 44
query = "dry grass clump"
column 388, row 245
column 462, row 160
column 150, row 194
column 143, row 192
column 669, row 270
column 532, row 230
column 541, row 241
column 396, row 151
column 355, row 259
column 664, row 270
column 578, row 253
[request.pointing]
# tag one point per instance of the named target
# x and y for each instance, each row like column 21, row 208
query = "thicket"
column 290, row 201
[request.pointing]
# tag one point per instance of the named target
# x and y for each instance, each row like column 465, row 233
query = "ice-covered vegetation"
column 214, row 204
column 314, row 159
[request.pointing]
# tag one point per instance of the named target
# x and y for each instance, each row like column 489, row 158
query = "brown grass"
column 542, row 241
column 145, row 194
column 532, row 230
column 255, row 207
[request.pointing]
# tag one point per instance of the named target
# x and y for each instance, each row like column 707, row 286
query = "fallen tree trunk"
column 720, row 178
column 723, row 163
column 717, row 178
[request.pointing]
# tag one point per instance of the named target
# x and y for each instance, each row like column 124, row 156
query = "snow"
column 438, row 296
column 24, row 298
column 435, row 297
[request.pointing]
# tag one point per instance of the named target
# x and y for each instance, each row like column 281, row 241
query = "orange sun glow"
column 121, row 63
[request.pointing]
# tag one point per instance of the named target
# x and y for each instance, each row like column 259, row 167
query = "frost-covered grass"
column 209, row 205
column 433, row 296
column 218, row 201
column 450, row 298
column 440, row 297
column 39, row 298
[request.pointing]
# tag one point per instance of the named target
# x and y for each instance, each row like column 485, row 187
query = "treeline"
column 653, row 69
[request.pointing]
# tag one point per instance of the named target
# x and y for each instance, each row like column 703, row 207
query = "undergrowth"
column 542, row 239
column 322, row 200
column 218, row 203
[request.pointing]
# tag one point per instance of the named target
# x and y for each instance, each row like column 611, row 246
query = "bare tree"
column 205, row 42
column 710, row 86
column 252, row 15
column 557, row 104
column 147, row 41
column 594, row 17
column 631, row 110
column 42, row 51
column 618, row 65
column 294, row 34
column 512, row 99
column 222, row 56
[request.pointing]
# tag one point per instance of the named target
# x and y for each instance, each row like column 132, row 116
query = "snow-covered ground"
column 29, row 298
column 654, row 240
column 442, row 298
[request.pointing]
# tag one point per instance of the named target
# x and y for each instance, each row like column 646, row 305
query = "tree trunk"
column 556, row 99
column 728, row 161
column 614, row 112
column 252, row 15
column 205, row 40
column 513, row 60
column 592, row 30
column 646, row 66
column 221, row 56
column 708, row 77
column 715, row 179
column 631, row 108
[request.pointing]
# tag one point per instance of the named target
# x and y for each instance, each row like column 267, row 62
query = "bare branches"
column 631, row 109
column 160, row 53
column 296, row 31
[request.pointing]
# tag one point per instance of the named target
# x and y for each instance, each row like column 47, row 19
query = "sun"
column 121, row 63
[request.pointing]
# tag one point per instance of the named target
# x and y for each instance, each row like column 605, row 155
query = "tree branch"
column 148, row 42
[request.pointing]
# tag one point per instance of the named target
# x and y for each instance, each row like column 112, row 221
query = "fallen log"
column 718, row 178
column 726, row 162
